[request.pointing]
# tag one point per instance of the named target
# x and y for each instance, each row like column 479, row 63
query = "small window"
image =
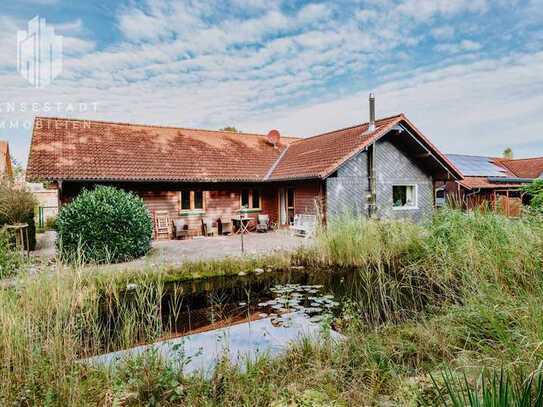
column 245, row 198
column 192, row 200
column 404, row 196
column 255, row 199
column 250, row 199
column 185, row 200
column 198, row 200
column 290, row 198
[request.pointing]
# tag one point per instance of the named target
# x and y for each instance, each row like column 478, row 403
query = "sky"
column 468, row 73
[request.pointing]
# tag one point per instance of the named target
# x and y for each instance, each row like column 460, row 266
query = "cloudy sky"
column 468, row 73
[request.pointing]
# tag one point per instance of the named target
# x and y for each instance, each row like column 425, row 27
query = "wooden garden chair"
column 163, row 228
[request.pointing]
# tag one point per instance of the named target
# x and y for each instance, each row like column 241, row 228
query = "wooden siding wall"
column 222, row 201
column 308, row 198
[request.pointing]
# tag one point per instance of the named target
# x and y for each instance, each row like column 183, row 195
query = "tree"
column 508, row 153
column 230, row 128
column 535, row 191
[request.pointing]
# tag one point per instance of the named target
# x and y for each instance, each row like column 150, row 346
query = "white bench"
column 304, row 225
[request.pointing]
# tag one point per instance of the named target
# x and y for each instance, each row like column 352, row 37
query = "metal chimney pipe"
column 371, row 126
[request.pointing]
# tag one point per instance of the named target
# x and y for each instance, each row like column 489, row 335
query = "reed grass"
column 455, row 295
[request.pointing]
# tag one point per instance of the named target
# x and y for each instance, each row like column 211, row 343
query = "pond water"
column 242, row 317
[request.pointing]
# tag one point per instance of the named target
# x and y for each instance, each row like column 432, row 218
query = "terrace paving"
column 204, row 248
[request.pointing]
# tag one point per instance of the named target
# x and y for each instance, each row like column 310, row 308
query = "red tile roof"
column 485, row 183
column 318, row 156
column 321, row 155
column 64, row 149
column 523, row 168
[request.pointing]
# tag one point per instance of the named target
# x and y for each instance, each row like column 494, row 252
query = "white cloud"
column 424, row 9
column 443, row 32
column 366, row 15
column 462, row 46
column 473, row 108
column 314, row 12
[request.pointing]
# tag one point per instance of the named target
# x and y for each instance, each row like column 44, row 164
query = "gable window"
column 404, row 196
column 251, row 199
column 192, row 201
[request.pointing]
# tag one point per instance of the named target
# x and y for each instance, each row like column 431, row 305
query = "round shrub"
column 104, row 225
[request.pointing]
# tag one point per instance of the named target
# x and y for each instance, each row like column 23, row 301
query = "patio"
column 201, row 248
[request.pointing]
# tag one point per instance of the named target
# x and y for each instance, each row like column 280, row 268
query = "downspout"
column 373, row 183
column 372, row 199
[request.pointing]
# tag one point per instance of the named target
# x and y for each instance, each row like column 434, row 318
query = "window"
column 192, row 201
column 404, row 196
column 198, row 200
column 251, row 199
column 290, row 198
column 290, row 204
column 255, row 199
column 185, row 200
column 245, row 198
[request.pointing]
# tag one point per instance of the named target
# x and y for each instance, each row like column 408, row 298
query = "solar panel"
column 476, row 166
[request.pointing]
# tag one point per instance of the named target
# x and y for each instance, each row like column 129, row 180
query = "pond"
column 243, row 316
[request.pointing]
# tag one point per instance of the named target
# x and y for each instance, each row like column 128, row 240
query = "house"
column 384, row 168
column 5, row 160
column 47, row 200
column 492, row 181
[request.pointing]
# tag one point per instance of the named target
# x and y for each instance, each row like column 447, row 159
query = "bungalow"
column 384, row 168
column 492, row 181
column 5, row 160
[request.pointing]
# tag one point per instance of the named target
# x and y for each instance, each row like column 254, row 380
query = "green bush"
column 104, row 225
column 10, row 260
column 535, row 191
column 17, row 206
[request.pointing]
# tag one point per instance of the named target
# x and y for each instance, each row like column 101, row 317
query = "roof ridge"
column 275, row 164
column 351, row 127
column 520, row 159
column 156, row 126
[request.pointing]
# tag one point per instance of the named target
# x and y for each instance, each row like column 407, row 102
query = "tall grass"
column 493, row 389
column 462, row 291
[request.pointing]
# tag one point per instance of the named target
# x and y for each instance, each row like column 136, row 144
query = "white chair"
column 263, row 223
column 304, row 225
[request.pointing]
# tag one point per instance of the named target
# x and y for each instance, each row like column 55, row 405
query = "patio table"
column 243, row 224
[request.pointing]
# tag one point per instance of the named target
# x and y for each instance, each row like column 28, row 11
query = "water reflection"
column 246, row 341
column 255, row 316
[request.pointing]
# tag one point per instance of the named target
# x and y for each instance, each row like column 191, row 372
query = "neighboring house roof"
column 60, row 150
column 5, row 159
column 494, row 173
column 478, row 166
column 525, row 167
column 487, row 183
